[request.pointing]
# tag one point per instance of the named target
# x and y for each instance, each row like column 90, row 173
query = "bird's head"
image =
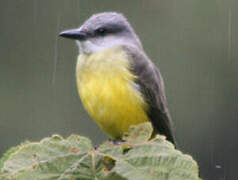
column 102, row 31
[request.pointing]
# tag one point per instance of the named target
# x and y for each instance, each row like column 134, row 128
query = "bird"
column 118, row 84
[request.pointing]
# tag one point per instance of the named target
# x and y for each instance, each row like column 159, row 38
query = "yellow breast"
column 108, row 92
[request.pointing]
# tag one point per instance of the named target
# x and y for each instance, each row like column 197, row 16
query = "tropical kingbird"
column 118, row 84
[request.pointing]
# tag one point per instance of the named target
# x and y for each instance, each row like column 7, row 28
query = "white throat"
column 100, row 44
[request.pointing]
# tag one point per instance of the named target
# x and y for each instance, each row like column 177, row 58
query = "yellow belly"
column 107, row 91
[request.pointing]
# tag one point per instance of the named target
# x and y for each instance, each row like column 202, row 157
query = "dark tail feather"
column 162, row 124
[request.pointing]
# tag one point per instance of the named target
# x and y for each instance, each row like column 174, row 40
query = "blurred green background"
column 193, row 42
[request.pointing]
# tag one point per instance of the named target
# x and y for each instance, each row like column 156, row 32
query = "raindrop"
column 56, row 51
column 229, row 28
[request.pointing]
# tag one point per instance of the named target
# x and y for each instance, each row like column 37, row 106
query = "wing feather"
column 152, row 87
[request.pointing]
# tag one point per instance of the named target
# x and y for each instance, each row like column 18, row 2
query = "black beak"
column 74, row 34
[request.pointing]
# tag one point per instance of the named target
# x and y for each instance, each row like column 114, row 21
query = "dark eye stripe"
column 109, row 29
column 101, row 31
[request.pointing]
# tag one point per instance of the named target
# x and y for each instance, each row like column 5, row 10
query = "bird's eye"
column 101, row 31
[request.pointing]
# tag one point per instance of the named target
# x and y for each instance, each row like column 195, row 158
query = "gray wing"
column 152, row 87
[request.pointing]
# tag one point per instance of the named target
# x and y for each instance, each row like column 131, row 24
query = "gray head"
column 102, row 31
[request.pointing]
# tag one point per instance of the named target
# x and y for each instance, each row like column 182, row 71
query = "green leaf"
column 48, row 159
column 156, row 160
column 9, row 153
column 74, row 158
column 139, row 133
